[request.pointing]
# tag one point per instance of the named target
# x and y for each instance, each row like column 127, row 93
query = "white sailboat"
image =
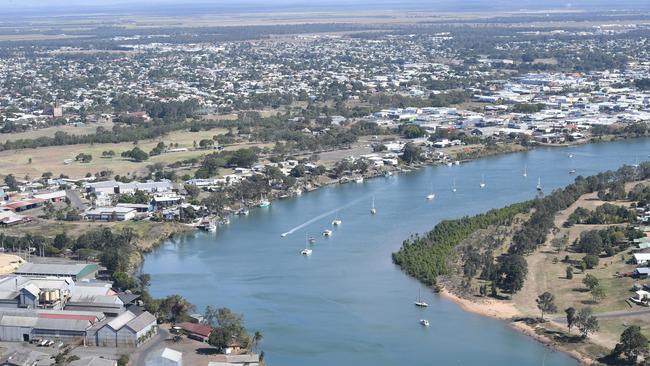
column 424, row 322
column 306, row 251
column 453, row 185
column 431, row 195
column 525, row 171
column 539, row 184
column 337, row 221
column 373, row 210
column 327, row 232
column 419, row 302
column 482, row 184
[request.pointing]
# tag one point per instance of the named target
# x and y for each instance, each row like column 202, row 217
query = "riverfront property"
column 347, row 303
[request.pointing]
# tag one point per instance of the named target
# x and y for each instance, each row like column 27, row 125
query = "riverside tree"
column 586, row 322
column 632, row 345
column 512, row 273
column 570, row 317
column 546, row 303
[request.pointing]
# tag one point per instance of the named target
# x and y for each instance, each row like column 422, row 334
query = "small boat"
column 327, row 232
column 570, row 156
column 311, row 240
column 336, row 221
column 572, row 171
column 208, row 226
column 283, row 235
column 482, row 184
column 264, row 202
column 431, row 195
column 539, row 184
column 359, row 180
column 457, row 162
column 373, row 210
column 453, row 186
column 306, row 252
column 525, row 171
column 388, row 174
column 424, row 322
column 242, row 212
column 224, row 221
column 450, row 164
column 419, row 302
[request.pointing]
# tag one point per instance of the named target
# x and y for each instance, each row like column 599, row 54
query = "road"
column 612, row 314
column 75, row 200
column 158, row 341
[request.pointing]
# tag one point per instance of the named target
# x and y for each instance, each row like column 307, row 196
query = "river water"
column 347, row 304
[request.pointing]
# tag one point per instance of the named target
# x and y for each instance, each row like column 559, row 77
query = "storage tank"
column 47, row 296
column 55, row 295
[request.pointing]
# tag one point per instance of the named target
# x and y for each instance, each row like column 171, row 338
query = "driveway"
column 157, row 342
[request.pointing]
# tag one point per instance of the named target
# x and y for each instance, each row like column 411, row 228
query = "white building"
column 166, row 357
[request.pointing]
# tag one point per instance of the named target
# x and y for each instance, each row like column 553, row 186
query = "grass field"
column 547, row 272
column 51, row 159
column 50, row 131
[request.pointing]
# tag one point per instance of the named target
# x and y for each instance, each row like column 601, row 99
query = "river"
column 347, row 304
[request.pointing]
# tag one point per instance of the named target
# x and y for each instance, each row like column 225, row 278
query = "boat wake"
column 326, row 214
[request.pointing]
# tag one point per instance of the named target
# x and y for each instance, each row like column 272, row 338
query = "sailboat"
column 424, row 322
column 431, row 195
column 453, row 185
column 306, row 251
column 482, row 184
column 525, row 171
column 572, row 171
column 419, row 302
column 539, row 184
column 337, row 221
column 264, row 202
column 373, row 210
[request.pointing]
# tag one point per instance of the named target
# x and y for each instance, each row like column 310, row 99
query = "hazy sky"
column 142, row 6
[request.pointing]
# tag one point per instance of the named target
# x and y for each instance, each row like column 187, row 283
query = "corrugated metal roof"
column 53, row 268
column 62, row 324
column 121, row 320
column 141, row 321
column 18, row 321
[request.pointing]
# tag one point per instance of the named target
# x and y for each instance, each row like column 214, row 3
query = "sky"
column 56, row 7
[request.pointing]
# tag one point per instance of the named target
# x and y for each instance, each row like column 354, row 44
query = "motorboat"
column 539, row 184
column 327, row 232
column 311, row 240
column 572, row 171
column 424, row 322
column 482, row 184
column 264, row 202
column 336, row 222
column 359, row 180
column 306, row 252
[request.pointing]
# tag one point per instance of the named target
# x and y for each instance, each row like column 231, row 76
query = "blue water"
column 348, row 304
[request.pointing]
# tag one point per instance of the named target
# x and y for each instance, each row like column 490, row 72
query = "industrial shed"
column 126, row 330
column 67, row 330
column 16, row 328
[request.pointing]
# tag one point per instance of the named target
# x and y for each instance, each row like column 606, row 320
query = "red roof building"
column 197, row 330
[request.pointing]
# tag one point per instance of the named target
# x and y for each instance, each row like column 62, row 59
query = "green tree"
column 243, row 158
column 512, row 273
column 590, row 260
column 570, row 317
column 590, row 281
column 633, row 344
column 411, row 154
column 569, row 272
column 598, row 293
column 174, row 308
column 11, row 182
column 136, row 154
column 586, row 322
column 546, row 303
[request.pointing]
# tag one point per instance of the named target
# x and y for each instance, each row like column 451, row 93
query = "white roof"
column 642, row 256
column 171, row 354
column 121, row 320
